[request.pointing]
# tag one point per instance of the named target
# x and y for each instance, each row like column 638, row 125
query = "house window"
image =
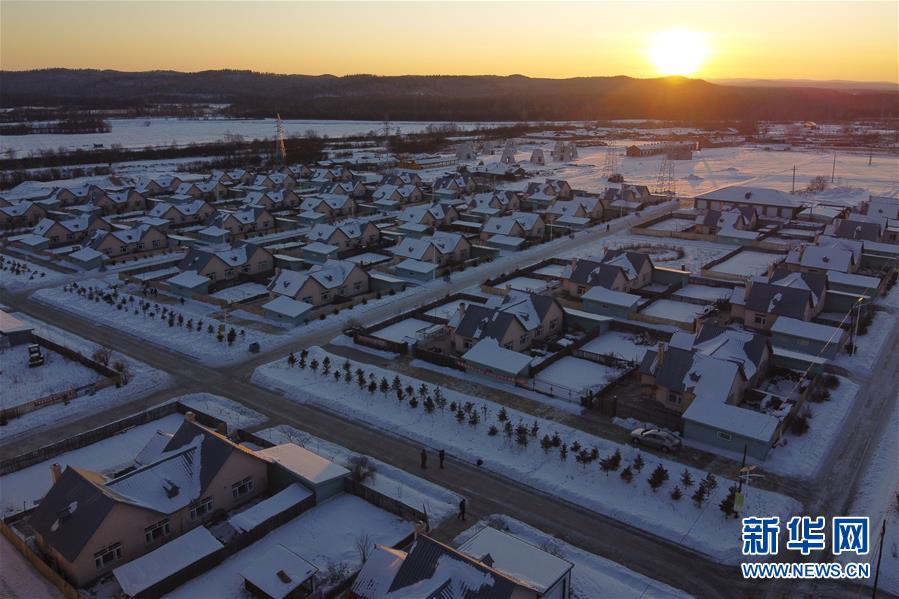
column 157, row 531
column 674, row 398
column 201, row 508
column 123, row 249
column 553, row 323
column 761, row 319
column 467, row 343
column 723, row 436
column 307, row 299
column 508, row 345
column 581, row 289
column 140, row 246
column 326, row 295
column 229, row 272
column 357, row 285
column 239, row 489
column 108, row 555
column 523, row 340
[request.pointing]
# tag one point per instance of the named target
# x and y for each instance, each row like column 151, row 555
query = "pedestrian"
column 441, row 455
column 461, row 515
column 607, row 227
column 424, row 459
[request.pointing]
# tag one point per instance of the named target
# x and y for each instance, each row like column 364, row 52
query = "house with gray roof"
column 799, row 295
column 768, row 202
column 514, row 320
column 322, row 284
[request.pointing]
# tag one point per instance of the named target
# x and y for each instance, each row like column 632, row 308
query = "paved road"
column 488, row 492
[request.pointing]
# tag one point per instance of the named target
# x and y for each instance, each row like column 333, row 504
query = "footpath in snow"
column 474, row 432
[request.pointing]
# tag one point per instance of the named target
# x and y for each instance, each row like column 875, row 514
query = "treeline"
column 72, row 125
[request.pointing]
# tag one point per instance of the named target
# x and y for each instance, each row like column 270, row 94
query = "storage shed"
column 292, row 463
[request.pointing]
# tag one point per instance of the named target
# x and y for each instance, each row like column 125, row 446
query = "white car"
column 657, row 438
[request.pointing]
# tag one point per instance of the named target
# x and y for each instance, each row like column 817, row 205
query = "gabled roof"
column 815, row 282
column 330, row 275
column 630, row 262
column 762, row 196
column 770, row 298
column 588, row 272
column 686, row 370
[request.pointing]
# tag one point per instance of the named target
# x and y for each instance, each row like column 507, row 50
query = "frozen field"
column 325, row 536
column 576, row 375
column 139, row 133
column 19, row 490
column 748, row 263
column 702, row 529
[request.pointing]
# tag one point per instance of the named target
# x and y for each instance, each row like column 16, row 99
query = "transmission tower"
column 280, row 150
column 610, row 164
column 665, row 183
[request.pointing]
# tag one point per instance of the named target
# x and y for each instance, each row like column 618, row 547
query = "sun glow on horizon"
column 677, row 51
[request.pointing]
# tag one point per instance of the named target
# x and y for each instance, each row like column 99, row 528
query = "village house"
column 299, row 171
column 85, row 194
column 354, row 189
column 275, row 181
column 88, row 524
column 455, row 185
column 183, row 213
column 580, row 207
column 713, row 222
column 118, row 202
column 123, row 242
column 493, row 558
column 440, row 248
column 335, row 280
column 434, row 215
column 798, row 295
column 23, row 214
column 273, row 199
column 249, row 220
column 515, row 321
column 768, row 202
column 345, row 235
column 158, row 185
column 401, row 178
column 857, row 229
column 674, row 150
column 330, row 205
column 837, row 254
column 73, row 230
column 402, row 194
column 619, row 270
column 222, row 265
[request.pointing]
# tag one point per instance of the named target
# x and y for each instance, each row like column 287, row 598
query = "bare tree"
column 361, row 469
column 363, row 545
column 102, row 355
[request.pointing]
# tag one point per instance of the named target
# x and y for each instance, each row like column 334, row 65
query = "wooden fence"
column 52, row 576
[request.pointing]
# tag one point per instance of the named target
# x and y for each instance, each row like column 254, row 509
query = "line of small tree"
column 517, row 434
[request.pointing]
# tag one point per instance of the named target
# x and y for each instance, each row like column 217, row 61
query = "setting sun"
column 677, row 51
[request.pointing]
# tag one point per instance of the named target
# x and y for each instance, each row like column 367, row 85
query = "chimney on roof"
column 190, row 416
column 55, row 471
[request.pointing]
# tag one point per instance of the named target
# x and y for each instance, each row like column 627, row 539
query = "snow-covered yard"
column 671, row 224
column 402, row 330
column 519, row 455
column 526, row 284
column 326, row 536
column 437, row 502
column 23, row 384
column 241, row 292
column 592, row 575
column 617, row 344
column 575, row 374
column 446, row 310
column 18, row 273
column 21, row 489
column 235, row 415
column 748, row 263
column 144, row 380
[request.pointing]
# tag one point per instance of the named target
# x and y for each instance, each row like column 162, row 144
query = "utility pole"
column 834, row 169
column 794, row 179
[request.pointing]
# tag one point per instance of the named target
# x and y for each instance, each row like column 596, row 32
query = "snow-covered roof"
column 412, row 265
column 794, row 327
column 317, row 247
column 278, row 503
column 309, row 466
column 730, row 418
column 10, row 324
column 278, row 572
column 740, row 194
column 522, row 561
column 615, row 298
column 188, row 279
column 176, row 555
column 86, row 254
column 489, row 353
column 287, row 306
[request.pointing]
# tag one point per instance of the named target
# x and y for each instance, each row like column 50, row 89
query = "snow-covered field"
column 235, row 415
column 19, row 490
column 575, row 374
column 748, row 263
column 592, row 575
column 325, row 536
column 23, row 384
column 144, row 380
column 702, row 529
column 17, row 274
column 434, row 500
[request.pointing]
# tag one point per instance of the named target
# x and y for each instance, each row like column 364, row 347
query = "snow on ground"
column 526, row 284
column 748, row 263
column 878, row 498
column 24, row 384
column 552, row 270
column 696, row 253
column 325, row 536
column 144, row 380
column 592, row 575
column 21, row 489
column 235, row 415
column 882, row 327
column 447, row 310
column 671, row 224
column 575, row 374
column 437, row 502
column 344, row 341
column 674, row 310
column 403, row 329
column 705, row 529
column 19, row 579
column 618, row 344
column 29, row 274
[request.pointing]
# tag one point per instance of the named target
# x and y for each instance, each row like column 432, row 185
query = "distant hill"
column 825, row 84
column 440, row 97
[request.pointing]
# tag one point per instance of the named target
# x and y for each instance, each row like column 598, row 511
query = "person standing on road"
column 424, row 459
column 461, row 515
column 441, row 455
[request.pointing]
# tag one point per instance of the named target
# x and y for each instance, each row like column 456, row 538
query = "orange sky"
column 802, row 40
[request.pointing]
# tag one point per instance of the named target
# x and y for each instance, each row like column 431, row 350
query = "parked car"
column 656, row 438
